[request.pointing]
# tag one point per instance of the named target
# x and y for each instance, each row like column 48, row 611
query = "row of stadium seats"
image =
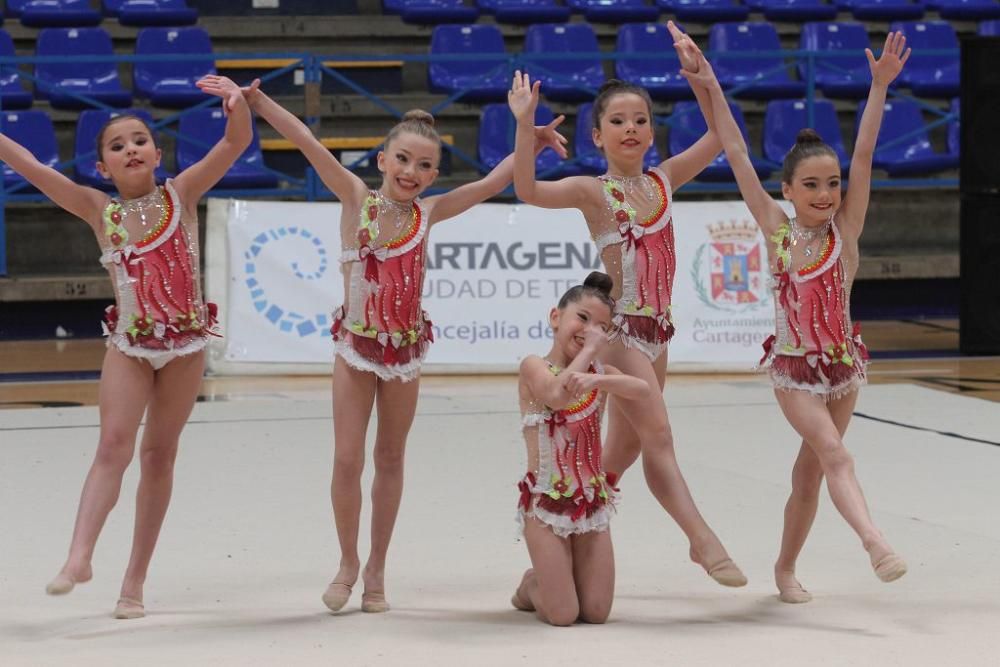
column 762, row 77
column 170, row 83
column 79, row 13
column 167, row 83
column 202, row 129
column 434, row 12
column 903, row 121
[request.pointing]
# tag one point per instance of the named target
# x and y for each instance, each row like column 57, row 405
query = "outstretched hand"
column 252, row 93
column 688, row 52
column 890, row 63
column 704, row 76
column 224, row 87
column 546, row 136
column 523, row 97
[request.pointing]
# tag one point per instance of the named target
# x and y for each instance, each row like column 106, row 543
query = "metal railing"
column 314, row 70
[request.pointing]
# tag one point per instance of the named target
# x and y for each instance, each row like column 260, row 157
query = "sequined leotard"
column 150, row 248
column 644, row 249
column 814, row 348
column 567, row 488
column 381, row 327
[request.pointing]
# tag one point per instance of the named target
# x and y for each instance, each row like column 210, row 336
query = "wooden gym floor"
column 65, row 372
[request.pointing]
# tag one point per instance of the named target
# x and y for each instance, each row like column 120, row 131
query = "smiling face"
column 128, row 156
column 814, row 189
column 571, row 323
column 625, row 129
column 409, row 164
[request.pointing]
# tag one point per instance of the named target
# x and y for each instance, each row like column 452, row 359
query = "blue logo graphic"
column 287, row 320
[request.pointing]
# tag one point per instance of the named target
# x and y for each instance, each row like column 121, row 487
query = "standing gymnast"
column 148, row 236
column 816, row 358
column 381, row 333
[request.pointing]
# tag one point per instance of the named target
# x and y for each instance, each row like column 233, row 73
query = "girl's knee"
column 389, row 456
column 595, row 613
column 348, row 465
column 114, row 451
column 159, row 458
column 562, row 614
column 658, row 441
column 836, row 459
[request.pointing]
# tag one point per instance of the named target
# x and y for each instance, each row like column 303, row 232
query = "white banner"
column 493, row 274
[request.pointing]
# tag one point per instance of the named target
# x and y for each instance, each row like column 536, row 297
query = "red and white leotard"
column 150, row 248
column 566, row 487
column 644, row 250
column 815, row 348
column 381, row 328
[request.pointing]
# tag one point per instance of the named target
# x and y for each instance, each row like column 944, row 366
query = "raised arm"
column 202, row 176
column 462, row 198
column 765, row 210
column 83, row 202
column 341, row 181
column 572, row 192
column 851, row 216
column 684, row 166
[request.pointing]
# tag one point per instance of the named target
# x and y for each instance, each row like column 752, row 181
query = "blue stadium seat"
column 482, row 80
column 97, row 80
column 989, row 29
column 767, row 76
column 847, row 77
column 657, row 70
column 34, row 131
column 955, row 129
column 526, row 11
column 431, row 12
column 798, row 10
column 615, row 11
column 589, row 158
column 913, row 155
column 688, row 125
column 151, row 12
column 705, row 11
column 784, row 118
column 496, row 139
column 964, row 10
column 88, row 125
column 53, row 13
column 564, row 79
column 885, row 10
column 201, row 130
column 12, row 95
column 171, row 83
column 929, row 75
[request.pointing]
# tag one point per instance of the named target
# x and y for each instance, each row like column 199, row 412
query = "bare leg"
column 594, row 575
column 648, row 417
column 548, row 587
column 353, row 397
column 623, row 446
column 800, row 511
column 397, row 404
column 814, row 421
column 126, row 385
column 175, row 389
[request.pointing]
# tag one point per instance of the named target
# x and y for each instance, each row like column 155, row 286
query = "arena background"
column 260, row 442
